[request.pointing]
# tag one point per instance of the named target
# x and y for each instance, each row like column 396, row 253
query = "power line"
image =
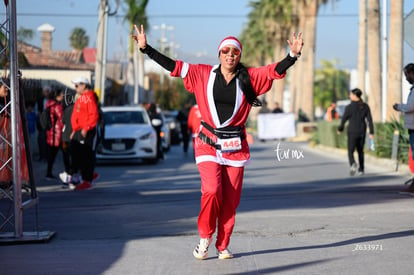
column 77, row 15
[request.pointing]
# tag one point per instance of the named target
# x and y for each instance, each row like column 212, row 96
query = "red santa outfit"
column 226, row 180
column 221, row 171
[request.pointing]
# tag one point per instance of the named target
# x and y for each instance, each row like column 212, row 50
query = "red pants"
column 220, row 196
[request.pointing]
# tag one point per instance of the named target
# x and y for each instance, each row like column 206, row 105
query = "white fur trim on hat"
column 230, row 41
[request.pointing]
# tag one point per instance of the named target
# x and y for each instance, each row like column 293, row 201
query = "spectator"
column 84, row 119
column 68, row 176
column 408, row 110
column 277, row 108
column 54, row 134
column 264, row 109
column 41, row 133
column 182, row 117
column 331, row 113
column 153, row 114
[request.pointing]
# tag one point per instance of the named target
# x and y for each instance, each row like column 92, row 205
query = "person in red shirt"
column 84, row 119
column 331, row 113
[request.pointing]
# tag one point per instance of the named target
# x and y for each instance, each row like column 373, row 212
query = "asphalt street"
column 300, row 213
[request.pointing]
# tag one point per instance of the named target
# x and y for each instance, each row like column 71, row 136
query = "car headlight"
column 146, row 136
column 172, row 125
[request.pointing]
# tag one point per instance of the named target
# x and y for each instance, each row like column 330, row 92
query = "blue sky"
column 198, row 26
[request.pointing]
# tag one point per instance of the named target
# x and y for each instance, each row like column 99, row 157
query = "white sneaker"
column 353, row 169
column 65, row 177
column 201, row 250
column 224, row 254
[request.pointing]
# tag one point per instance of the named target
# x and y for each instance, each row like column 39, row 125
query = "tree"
column 395, row 52
column 135, row 76
column 24, row 34
column 331, row 84
column 78, row 39
column 264, row 38
column 374, row 59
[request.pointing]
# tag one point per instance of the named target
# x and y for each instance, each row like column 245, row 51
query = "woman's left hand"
column 296, row 44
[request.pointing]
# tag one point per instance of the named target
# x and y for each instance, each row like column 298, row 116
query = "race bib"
column 229, row 144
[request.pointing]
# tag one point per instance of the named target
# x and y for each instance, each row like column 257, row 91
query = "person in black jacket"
column 153, row 114
column 358, row 114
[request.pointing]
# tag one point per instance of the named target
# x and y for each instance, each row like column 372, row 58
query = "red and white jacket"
column 199, row 79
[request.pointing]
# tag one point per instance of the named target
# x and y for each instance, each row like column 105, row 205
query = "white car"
column 128, row 134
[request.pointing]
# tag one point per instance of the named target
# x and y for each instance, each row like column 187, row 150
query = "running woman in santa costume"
column 225, row 94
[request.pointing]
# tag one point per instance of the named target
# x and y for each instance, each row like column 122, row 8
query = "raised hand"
column 296, row 44
column 140, row 37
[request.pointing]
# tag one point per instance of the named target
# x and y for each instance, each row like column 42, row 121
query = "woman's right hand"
column 140, row 37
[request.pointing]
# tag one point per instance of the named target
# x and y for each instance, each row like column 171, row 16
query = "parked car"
column 174, row 125
column 128, row 134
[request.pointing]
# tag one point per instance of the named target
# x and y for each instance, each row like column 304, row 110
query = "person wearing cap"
column 225, row 94
column 84, row 119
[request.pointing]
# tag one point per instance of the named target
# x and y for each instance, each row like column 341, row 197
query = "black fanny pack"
column 221, row 133
column 225, row 132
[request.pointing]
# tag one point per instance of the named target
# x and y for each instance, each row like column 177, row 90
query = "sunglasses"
column 226, row 50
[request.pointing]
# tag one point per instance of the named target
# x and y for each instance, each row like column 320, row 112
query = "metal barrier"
column 15, row 157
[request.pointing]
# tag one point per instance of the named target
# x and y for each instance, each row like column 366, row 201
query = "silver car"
column 128, row 134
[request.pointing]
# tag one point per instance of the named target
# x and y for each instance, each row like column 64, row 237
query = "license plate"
column 118, row 146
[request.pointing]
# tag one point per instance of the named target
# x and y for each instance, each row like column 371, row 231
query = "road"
column 300, row 213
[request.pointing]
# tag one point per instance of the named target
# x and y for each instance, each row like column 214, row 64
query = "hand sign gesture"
column 140, row 37
column 296, row 44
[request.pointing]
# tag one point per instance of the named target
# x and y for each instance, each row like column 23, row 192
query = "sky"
column 194, row 28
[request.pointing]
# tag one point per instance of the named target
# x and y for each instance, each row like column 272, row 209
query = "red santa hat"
column 230, row 40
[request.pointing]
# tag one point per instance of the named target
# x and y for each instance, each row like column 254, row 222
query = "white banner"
column 275, row 126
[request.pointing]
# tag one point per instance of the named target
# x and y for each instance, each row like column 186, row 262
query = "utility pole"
column 163, row 43
column 100, row 64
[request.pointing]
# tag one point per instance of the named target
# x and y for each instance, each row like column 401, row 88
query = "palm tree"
column 374, row 59
column 135, row 76
column 252, row 38
column 24, row 34
column 395, row 51
column 264, row 38
column 78, row 39
column 331, row 84
column 295, row 15
column 308, row 12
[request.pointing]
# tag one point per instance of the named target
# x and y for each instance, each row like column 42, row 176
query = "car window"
column 125, row 117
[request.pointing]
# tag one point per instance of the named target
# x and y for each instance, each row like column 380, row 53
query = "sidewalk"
column 387, row 164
